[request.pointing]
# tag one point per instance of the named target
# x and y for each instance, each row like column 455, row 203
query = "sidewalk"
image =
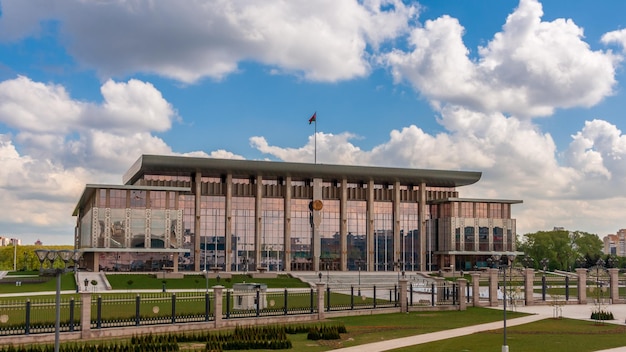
column 581, row 312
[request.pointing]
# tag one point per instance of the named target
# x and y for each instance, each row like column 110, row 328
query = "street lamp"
column 52, row 255
column 509, row 263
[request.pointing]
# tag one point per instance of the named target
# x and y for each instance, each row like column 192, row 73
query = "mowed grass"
column 545, row 335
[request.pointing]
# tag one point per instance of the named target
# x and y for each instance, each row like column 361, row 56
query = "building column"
column 421, row 210
column 287, row 225
column 316, row 241
column 398, row 242
column 258, row 224
column 529, row 278
column 343, row 223
column 369, row 227
column 228, row 223
column 175, row 262
column 197, row 189
column 614, row 285
column 582, row 285
column 476, row 289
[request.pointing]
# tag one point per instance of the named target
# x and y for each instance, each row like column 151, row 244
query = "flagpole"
column 315, row 141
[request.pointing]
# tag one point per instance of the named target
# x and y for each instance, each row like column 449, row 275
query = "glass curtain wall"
column 356, row 239
column 243, row 233
column 383, row 236
column 272, row 237
column 212, row 239
column 301, row 233
column 186, row 202
column 410, row 237
column 329, row 234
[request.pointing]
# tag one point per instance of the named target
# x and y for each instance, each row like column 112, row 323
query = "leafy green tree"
column 561, row 248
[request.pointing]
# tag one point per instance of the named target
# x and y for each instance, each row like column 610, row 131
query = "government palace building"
column 180, row 213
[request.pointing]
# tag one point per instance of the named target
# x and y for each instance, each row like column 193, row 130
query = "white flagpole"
column 315, row 138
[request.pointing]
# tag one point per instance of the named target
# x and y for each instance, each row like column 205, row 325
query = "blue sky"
column 530, row 93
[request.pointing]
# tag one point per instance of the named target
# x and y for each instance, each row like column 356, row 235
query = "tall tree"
column 561, row 247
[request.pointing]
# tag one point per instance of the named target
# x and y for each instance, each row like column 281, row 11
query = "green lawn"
column 545, row 335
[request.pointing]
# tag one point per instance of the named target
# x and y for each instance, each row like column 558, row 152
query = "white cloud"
column 323, row 40
column 528, row 69
column 618, row 37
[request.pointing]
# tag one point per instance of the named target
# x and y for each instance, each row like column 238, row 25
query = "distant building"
column 615, row 244
column 8, row 241
column 191, row 214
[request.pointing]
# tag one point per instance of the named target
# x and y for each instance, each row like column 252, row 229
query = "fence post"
column 351, row 297
column 320, row 300
column 462, row 300
column 99, row 313
column 174, row 308
column 493, row 287
column 433, row 299
column 582, row 285
column 403, row 295
column 137, row 310
column 218, row 294
column 567, row 287
column 27, row 323
column 312, row 301
column 374, row 296
column 529, row 283
column 207, row 306
column 72, row 314
column 614, row 283
column 286, row 310
column 328, row 299
column 85, row 315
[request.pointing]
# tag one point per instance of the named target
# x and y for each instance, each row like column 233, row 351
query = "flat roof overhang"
column 90, row 189
column 132, row 250
column 176, row 165
column 475, row 200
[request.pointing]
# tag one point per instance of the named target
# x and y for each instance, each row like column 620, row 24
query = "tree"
column 561, row 248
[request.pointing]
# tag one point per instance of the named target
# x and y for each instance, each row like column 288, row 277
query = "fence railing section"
column 26, row 316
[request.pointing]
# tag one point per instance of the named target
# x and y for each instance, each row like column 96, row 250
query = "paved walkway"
column 582, row 312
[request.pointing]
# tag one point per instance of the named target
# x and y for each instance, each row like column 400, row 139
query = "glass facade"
column 250, row 225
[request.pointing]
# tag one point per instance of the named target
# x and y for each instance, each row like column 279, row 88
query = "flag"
column 313, row 118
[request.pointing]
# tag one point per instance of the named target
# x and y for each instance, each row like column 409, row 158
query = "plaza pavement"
column 581, row 312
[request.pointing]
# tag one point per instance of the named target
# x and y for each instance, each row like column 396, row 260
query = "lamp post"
column 495, row 259
column 359, row 279
column 51, row 256
column 206, row 279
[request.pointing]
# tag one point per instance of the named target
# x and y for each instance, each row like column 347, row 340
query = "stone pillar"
column 404, row 306
column 493, row 287
column 582, row 285
column 462, row 297
column 476, row 289
column 85, row 315
column 320, row 300
column 529, row 285
column 614, row 285
column 439, row 282
column 217, row 302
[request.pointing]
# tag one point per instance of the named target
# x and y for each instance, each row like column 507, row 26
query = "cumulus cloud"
column 323, row 40
column 529, row 69
column 618, row 37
